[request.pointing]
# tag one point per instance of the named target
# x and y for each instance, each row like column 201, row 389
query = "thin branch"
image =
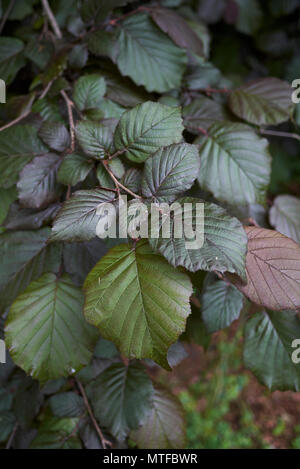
column 133, row 12
column 253, row 222
column 6, row 14
column 11, row 438
column 70, row 104
column 117, row 153
column 195, row 301
column 68, row 195
column 277, row 133
column 117, row 183
column 52, row 19
column 15, row 121
column 105, row 443
column 210, row 91
column 45, row 91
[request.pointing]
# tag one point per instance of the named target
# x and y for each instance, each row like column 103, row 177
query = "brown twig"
column 253, row 222
column 118, row 183
column 6, row 14
column 117, row 153
column 70, row 104
column 45, row 91
column 104, row 442
column 123, row 17
column 15, row 121
column 52, row 19
column 209, row 90
column 12, row 435
column 195, row 301
column 279, row 134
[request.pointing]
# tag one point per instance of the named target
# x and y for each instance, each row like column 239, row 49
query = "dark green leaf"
column 221, row 304
column 139, row 289
column 165, row 426
column 144, row 129
column 148, row 56
column 38, row 186
column 266, row 101
column 46, row 332
column 268, row 349
column 235, row 164
column 24, row 256
column 67, row 404
column 285, row 216
column 55, row 135
column 74, row 169
column 88, row 91
column 125, row 399
column 95, row 139
column 170, row 171
column 77, row 220
column 18, row 146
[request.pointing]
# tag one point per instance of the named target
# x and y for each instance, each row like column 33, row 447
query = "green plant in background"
column 219, row 386
column 185, row 101
column 296, row 441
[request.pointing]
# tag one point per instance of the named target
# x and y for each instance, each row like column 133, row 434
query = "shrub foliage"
column 171, row 100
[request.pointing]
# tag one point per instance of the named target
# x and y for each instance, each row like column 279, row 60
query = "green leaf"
column 18, row 146
column 144, row 129
column 67, row 404
column 123, row 91
column 196, row 331
column 201, row 75
column 125, row 398
column 132, row 179
column 282, row 7
column 7, row 197
column 211, row 11
column 38, row 186
column 95, row 139
column 148, row 56
column 27, row 402
column 40, row 55
column 221, row 304
column 25, row 256
column 268, row 349
column 225, row 242
column 77, row 220
column 98, row 10
column 11, row 59
column 74, row 169
column 273, row 270
column 57, row 433
column 88, row 91
column 177, row 28
column 170, row 171
column 117, row 167
column 138, row 301
column 201, row 113
column 165, row 426
column 285, row 216
column 249, row 17
column 104, row 178
column 55, row 135
column 46, row 332
column 103, row 43
column 20, row 218
column 235, row 164
column 78, row 56
column 7, row 423
column 266, row 101
column 48, row 109
column 80, row 258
